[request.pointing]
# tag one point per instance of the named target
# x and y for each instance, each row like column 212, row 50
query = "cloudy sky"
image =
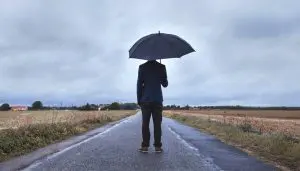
column 73, row 51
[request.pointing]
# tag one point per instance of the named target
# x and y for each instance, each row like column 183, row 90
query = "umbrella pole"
column 160, row 60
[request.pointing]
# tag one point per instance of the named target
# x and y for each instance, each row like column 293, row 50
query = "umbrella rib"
column 139, row 43
column 169, row 42
column 177, row 37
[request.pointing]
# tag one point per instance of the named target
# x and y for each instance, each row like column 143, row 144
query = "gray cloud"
column 77, row 51
column 258, row 27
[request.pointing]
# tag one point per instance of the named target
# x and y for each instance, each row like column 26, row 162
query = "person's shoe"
column 158, row 149
column 143, row 149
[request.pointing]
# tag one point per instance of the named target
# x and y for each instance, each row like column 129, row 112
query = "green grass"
column 16, row 142
column 277, row 148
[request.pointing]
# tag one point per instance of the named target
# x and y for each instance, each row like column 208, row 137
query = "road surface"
column 185, row 149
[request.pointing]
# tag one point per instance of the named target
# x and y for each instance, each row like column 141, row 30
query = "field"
column 277, row 114
column 265, row 121
column 15, row 119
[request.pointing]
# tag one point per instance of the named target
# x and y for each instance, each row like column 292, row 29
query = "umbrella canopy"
column 160, row 46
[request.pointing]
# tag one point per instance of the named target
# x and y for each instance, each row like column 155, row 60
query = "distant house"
column 102, row 106
column 19, row 108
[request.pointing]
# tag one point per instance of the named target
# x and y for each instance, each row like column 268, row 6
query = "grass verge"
column 277, row 148
column 25, row 139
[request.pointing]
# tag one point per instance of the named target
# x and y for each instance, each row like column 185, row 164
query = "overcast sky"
column 69, row 51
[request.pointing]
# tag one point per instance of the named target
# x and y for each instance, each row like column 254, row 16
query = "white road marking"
column 207, row 160
column 183, row 141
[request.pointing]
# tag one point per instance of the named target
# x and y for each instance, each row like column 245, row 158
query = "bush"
column 5, row 107
column 246, row 127
column 37, row 105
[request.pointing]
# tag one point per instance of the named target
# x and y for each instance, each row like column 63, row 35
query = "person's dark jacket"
column 151, row 76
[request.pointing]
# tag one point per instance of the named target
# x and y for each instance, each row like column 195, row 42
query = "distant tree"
column 187, row 107
column 114, row 106
column 5, row 107
column 104, row 108
column 128, row 106
column 94, row 107
column 87, row 106
column 37, row 105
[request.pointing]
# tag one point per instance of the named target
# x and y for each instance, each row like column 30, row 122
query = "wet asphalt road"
column 185, row 149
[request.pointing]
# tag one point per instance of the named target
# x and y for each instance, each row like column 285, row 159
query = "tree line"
column 237, row 107
column 38, row 105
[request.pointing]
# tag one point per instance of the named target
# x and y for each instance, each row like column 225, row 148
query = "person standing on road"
column 151, row 76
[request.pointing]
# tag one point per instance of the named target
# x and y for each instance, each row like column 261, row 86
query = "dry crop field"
column 265, row 121
column 277, row 114
column 15, row 119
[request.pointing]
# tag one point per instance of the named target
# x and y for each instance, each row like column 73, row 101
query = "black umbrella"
column 160, row 46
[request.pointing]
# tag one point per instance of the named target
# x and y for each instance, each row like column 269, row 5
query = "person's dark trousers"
column 154, row 109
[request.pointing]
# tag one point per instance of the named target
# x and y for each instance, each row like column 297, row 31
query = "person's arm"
column 139, row 86
column 164, row 80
